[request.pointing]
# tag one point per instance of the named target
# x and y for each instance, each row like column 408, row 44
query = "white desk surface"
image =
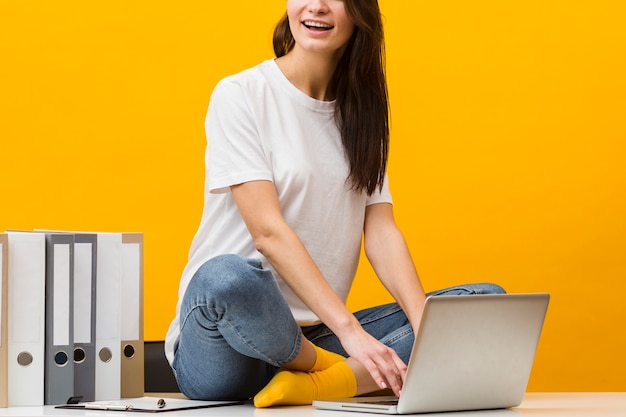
column 598, row 404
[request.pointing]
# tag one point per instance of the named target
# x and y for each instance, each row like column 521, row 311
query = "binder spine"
column 26, row 327
column 59, row 364
column 132, row 348
column 108, row 317
column 85, row 266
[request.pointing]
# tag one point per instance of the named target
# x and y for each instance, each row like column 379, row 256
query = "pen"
column 108, row 407
column 161, row 403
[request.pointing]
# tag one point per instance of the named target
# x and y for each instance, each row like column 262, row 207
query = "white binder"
column 108, row 316
column 4, row 261
column 26, row 327
column 59, row 366
column 132, row 350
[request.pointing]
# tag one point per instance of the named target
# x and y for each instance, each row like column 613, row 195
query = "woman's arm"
column 389, row 255
column 260, row 209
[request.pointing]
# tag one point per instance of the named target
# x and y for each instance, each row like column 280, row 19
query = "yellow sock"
column 325, row 359
column 301, row 388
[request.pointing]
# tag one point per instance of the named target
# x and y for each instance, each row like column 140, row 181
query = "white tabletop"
column 534, row 404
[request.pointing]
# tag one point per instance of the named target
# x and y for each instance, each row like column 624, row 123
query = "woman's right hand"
column 383, row 364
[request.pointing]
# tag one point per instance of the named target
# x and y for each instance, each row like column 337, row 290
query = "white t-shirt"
column 259, row 126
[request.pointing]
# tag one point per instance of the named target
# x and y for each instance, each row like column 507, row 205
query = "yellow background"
column 507, row 159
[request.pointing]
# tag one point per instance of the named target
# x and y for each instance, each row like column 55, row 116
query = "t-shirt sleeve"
column 380, row 196
column 234, row 152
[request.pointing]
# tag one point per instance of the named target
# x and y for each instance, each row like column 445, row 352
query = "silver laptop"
column 470, row 353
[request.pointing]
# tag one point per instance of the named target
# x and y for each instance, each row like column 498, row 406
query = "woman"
column 296, row 158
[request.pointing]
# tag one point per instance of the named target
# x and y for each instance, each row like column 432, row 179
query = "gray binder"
column 58, row 363
column 85, row 264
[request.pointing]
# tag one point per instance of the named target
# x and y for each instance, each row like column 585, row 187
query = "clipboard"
column 148, row 405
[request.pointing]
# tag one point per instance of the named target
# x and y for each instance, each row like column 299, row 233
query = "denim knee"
column 226, row 276
column 242, row 303
column 227, row 280
column 470, row 289
column 489, row 288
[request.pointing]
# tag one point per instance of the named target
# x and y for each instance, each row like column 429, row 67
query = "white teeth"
column 317, row 25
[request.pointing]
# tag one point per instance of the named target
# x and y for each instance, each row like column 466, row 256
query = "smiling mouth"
column 317, row 26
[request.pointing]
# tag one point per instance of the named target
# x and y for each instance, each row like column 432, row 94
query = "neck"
column 310, row 73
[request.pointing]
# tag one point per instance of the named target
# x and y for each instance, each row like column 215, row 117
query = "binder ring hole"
column 129, row 351
column 24, row 358
column 105, row 355
column 61, row 358
column 79, row 355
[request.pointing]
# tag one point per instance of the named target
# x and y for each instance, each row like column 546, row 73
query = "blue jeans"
column 237, row 329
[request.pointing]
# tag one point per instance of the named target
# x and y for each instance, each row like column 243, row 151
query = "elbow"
column 266, row 237
column 260, row 243
column 375, row 243
column 371, row 247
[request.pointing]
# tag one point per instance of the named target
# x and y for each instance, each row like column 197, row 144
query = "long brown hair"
column 360, row 87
